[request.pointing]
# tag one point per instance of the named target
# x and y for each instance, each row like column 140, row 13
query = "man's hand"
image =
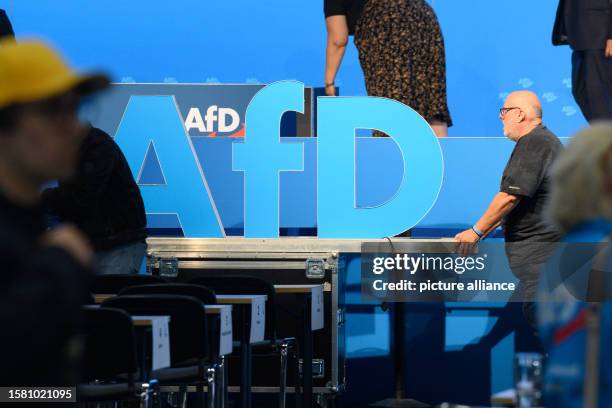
column 609, row 48
column 70, row 239
column 466, row 241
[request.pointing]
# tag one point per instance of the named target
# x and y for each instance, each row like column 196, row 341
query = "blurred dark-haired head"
column 40, row 133
column 6, row 29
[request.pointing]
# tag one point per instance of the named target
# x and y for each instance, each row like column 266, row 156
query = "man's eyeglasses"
column 503, row 111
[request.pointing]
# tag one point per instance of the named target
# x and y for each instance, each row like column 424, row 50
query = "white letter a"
column 194, row 120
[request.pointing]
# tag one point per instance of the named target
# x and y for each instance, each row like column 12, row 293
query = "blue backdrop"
column 492, row 48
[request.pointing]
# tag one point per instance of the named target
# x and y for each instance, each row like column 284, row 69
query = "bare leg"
column 440, row 128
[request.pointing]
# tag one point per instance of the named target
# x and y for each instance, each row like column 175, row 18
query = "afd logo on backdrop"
column 262, row 155
column 216, row 120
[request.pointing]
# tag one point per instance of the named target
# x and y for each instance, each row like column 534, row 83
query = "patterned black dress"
column 401, row 51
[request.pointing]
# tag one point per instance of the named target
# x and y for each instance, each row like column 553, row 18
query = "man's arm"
column 500, row 206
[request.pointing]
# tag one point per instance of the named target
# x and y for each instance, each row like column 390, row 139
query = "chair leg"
column 220, row 375
column 144, row 396
column 298, row 388
column 169, row 399
column 282, row 394
column 183, row 396
column 210, row 378
column 154, row 394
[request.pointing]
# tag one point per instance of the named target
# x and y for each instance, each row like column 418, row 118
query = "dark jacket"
column 41, row 290
column 6, row 29
column 103, row 199
column 583, row 24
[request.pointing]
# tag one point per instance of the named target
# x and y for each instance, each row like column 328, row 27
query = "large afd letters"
column 261, row 156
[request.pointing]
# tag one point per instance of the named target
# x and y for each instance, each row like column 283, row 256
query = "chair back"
column 188, row 323
column 245, row 285
column 114, row 283
column 110, row 345
column 204, row 294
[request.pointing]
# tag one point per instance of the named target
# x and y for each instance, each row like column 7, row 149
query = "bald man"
column 523, row 194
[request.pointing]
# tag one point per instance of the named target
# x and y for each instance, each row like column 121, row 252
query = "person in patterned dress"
column 401, row 51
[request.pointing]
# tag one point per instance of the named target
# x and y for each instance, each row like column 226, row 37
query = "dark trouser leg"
column 592, row 83
column 529, row 315
column 126, row 259
column 527, row 291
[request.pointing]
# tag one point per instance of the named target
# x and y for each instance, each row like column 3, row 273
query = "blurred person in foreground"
column 44, row 276
column 6, row 28
column 574, row 310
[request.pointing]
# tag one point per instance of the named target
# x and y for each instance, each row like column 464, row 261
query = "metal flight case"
column 283, row 261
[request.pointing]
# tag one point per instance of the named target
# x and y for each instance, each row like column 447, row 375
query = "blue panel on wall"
column 163, row 221
column 191, row 41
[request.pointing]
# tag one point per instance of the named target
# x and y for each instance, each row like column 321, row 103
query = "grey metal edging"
column 262, row 246
column 334, row 323
column 236, row 389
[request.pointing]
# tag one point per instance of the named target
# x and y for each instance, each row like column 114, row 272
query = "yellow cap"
column 31, row 71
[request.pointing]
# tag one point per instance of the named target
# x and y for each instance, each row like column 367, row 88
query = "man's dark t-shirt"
column 527, row 175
